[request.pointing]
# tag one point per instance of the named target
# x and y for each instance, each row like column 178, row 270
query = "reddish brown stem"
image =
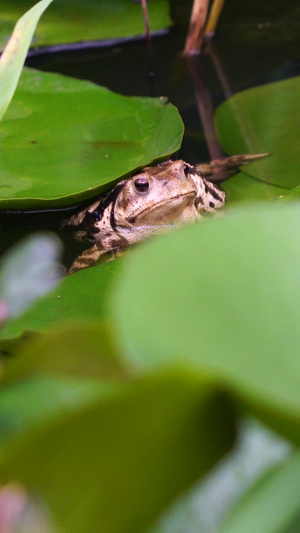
column 205, row 109
column 196, row 29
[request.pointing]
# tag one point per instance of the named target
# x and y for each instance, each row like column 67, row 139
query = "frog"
column 154, row 200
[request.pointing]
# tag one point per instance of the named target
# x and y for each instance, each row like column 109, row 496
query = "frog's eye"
column 141, row 184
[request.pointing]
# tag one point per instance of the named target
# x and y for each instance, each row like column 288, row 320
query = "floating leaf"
column 13, row 57
column 222, row 296
column 76, row 21
column 130, row 454
column 245, row 188
column 265, row 119
column 63, row 140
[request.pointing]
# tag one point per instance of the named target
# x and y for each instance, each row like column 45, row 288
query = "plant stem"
column 205, row 109
column 196, row 29
column 214, row 15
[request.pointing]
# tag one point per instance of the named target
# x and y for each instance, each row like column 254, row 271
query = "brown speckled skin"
column 177, row 194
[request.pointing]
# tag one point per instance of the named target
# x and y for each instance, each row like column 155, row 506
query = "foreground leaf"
column 273, row 504
column 77, row 348
column 13, row 57
column 129, row 454
column 20, row 411
column 83, row 296
column 29, row 271
column 265, row 119
column 222, row 296
column 76, row 21
column 63, row 140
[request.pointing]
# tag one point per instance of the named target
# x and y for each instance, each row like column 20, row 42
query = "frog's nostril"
column 186, row 170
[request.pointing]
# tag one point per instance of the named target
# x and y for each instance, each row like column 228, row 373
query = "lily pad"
column 73, row 21
column 82, row 296
column 64, row 140
column 265, row 119
column 222, row 296
column 247, row 189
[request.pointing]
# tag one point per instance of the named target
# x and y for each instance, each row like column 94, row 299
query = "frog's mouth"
column 165, row 211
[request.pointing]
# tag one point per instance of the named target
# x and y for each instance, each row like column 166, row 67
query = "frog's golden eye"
column 141, row 184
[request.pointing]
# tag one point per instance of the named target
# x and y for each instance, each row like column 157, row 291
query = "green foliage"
column 30, row 271
column 126, row 381
column 71, row 21
column 116, row 463
column 83, row 295
column 265, row 119
column 271, row 505
column 13, row 57
column 234, row 307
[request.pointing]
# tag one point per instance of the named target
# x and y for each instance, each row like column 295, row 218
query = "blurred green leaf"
column 13, row 57
column 271, row 505
column 223, row 297
column 39, row 400
column 130, row 454
column 63, row 140
column 77, row 348
column 76, row 20
column 83, row 296
column 265, row 119
column 29, row 271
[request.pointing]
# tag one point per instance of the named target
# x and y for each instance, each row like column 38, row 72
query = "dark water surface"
column 256, row 43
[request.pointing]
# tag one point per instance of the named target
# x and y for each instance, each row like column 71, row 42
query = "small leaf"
column 13, row 57
column 29, row 271
column 271, row 505
column 82, row 296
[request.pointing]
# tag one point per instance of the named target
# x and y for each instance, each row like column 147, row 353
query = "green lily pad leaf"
column 273, row 504
column 265, row 119
column 81, row 296
column 133, row 452
column 14, row 55
column 64, row 140
column 222, row 296
column 245, row 188
column 70, row 21
column 292, row 195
